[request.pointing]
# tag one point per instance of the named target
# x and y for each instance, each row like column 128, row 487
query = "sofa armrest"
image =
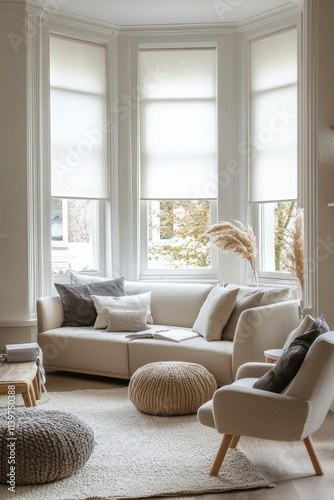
column 50, row 313
column 261, row 328
column 253, row 370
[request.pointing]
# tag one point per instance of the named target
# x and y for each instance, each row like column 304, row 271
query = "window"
column 73, row 235
column 178, row 158
column 175, row 229
column 79, row 159
column 276, row 221
column 273, row 143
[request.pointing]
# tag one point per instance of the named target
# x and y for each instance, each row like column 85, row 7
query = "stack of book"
column 22, row 352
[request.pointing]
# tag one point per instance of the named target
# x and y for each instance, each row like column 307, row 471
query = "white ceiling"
column 172, row 12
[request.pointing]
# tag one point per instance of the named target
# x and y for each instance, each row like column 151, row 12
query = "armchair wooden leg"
column 313, row 456
column 234, row 442
column 224, row 446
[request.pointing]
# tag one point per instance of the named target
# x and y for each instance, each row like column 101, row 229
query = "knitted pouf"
column 171, row 388
column 42, row 445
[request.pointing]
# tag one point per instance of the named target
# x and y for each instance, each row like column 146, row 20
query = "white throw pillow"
column 126, row 321
column 302, row 328
column 215, row 312
column 78, row 279
column 129, row 302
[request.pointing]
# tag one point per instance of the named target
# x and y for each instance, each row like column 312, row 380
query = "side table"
column 25, row 378
column 272, row 355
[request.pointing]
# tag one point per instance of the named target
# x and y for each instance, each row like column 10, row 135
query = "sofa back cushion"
column 271, row 295
column 172, row 304
column 246, row 299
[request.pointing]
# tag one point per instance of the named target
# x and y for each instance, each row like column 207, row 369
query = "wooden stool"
column 24, row 377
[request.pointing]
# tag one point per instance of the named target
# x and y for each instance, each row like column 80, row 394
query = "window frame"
column 108, row 227
column 206, row 274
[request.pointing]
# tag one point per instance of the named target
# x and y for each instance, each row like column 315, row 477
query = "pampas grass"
column 237, row 239
column 295, row 248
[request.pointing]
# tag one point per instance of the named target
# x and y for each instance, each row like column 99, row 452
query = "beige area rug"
column 138, row 456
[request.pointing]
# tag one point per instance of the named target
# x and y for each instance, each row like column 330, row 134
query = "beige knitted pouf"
column 42, row 445
column 171, row 388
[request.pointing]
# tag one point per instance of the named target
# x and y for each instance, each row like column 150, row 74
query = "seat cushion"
column 85, row 350
column 214, row 356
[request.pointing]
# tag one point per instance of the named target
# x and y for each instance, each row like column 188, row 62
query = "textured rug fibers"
column 138, row 455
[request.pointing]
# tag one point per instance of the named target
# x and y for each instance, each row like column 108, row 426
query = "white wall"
column 326, row 159
column 13, row 179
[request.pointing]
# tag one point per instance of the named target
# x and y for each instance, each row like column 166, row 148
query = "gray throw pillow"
column 287, row 366
column 79, row 309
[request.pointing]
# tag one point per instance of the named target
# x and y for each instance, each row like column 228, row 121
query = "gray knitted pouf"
column 171, row 388
column 42, row 445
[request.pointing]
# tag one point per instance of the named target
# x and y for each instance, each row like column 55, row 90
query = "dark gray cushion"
column 287, row 366
column 319, row 324
column 79, row 309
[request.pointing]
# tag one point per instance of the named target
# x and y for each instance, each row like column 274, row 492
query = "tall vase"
column 254, row 279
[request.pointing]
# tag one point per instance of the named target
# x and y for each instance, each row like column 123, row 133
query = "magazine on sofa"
column 176, row 335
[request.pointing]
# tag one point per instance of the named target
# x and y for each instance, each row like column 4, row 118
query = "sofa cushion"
column 287, row 366
column 172, row 304
column 101, row 353
column 126, row 321
column 246, row 299
column 275, row 295
column 270, row 295
column 79, row 309
column 125, row 303
column 215, row 312
column 214, row 356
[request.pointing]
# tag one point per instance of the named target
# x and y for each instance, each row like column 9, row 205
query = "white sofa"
column 85, row 350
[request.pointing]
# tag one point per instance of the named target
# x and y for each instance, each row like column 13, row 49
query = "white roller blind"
column 273, row 118
column 178, row 124
column 78, row 100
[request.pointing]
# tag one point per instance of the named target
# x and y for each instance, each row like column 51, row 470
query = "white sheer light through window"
column 273, row 117
column 78, row 91
column 178, row 124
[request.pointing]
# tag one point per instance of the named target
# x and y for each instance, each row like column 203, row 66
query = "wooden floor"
column 286, row 465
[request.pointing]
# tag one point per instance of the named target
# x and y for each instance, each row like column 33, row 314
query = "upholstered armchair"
column 239, row 409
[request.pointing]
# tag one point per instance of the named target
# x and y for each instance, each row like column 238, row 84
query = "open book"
column 163, row 334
